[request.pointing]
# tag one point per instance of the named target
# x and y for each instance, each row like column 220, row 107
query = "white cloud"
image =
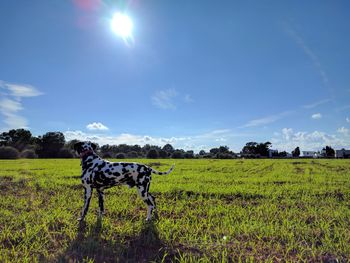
column 23, row 90
column 197, row 142
column 347, row 120
column 164, row 99
column 343, row 130
column 124, row 138
column 267, row 120
column 287, row 133
column 312, row 141
column 316, row 116
column 96, row 126
column 315, row 104
column 11, row 104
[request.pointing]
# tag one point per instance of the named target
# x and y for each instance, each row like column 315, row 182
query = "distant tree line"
column 20, row 143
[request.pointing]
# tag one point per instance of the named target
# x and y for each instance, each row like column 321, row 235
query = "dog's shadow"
column 90, row 244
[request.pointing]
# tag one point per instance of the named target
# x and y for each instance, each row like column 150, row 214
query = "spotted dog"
column 101, row 174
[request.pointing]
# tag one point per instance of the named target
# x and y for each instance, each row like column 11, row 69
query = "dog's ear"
column 77, row 146
column 94, row 146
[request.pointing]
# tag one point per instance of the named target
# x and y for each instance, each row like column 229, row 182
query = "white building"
column 311, row 154
column 342, row 153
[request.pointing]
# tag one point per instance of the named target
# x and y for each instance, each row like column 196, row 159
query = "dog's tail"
column 163, row 173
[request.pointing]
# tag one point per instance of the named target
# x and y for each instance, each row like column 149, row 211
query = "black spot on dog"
column 101, row 165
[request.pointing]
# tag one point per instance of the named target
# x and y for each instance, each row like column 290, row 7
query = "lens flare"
column 122, row 25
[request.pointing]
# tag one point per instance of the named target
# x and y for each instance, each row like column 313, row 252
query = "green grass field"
column 209, row 211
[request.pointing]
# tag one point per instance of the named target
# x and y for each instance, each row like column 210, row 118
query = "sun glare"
column 121, row 25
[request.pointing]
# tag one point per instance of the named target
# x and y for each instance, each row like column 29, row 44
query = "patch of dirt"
column 299, row 170
column 155, row 164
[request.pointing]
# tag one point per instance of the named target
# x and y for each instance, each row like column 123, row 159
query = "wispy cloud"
column 343, row 108
column 164, row 99
column 315, row 104
column 188, row 98
column 316, row 116
column 347, row 120
column 20, row 91
column 267, row 119
column 343, row 130
column 309, row 53
column 11, row 103
column 96, row 126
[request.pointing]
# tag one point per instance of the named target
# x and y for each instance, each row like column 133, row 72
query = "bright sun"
column 121, row 24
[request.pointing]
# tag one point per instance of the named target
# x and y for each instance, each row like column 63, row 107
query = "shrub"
column 120, row 156
column 152, row 154
column 106, row 155
column 163, row 154
column 65, row 153
column 8, row 152
column 177, row 155
column 133, row 154
column 29, row 154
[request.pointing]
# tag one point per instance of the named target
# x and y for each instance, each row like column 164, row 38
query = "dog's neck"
column 84, row 156
column 86, row 153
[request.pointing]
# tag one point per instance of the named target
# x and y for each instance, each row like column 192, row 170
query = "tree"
column 202, row 153
column 19, row 138
column 152, row 154
column 296, row 152
column 189, row 155
column 254, row 148
column 263, row 149
column 163, row 154
column 250, row 148
column 178, row 154
column 224, row 149
column 330, row 153
column 214, row 151
column 50, row 144
column 168, row 148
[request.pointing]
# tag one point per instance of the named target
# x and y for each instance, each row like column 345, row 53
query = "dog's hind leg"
column 148, row 199
column 100, row 201
column 87, row 198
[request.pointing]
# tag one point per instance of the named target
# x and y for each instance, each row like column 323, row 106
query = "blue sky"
column 196, row 74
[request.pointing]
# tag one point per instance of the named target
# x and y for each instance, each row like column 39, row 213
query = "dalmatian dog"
column 101, row 174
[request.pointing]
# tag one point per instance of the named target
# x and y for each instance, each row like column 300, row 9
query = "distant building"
column 342, row 153
column 311, row 154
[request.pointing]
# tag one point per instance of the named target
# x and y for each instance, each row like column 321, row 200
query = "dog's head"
column 84, row 147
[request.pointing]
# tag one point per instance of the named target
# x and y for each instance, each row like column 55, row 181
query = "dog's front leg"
column 87, row 198
column 100, row 201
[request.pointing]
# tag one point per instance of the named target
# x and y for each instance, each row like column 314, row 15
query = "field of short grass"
column 209, row 211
